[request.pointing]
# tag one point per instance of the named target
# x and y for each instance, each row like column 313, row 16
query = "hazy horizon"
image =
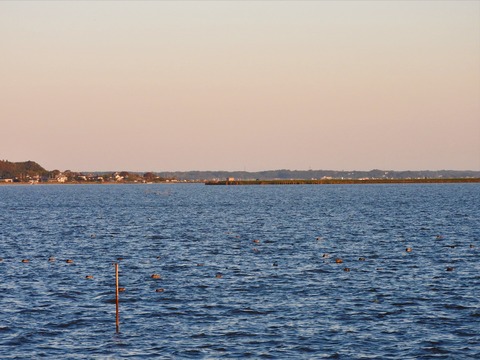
column 241, row 86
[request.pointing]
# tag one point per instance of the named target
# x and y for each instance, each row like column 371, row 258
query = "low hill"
column 20, row 170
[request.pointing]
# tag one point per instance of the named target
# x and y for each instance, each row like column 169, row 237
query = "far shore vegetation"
column 33, row 173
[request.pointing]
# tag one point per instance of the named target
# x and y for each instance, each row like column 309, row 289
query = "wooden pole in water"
column 117, row 317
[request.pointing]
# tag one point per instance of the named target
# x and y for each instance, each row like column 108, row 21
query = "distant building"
column 61, row 178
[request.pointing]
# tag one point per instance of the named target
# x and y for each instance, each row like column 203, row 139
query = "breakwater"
column 342, row 181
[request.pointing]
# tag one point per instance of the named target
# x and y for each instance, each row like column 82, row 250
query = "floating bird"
column 338, row 261
column 218, row 275
column 121, row 289
column 346, row 269
column 408, row 249
column 326, row 255
column 89, row 277
column 25, row 261
column 155, row 276
column 450, row 268
column 160, row 290
column 361, row 259
column 256, row 241
column 69, row 261
column 200, row 264
column 51, row 259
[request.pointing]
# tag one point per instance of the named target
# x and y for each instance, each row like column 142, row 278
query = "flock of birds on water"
column 219, row 275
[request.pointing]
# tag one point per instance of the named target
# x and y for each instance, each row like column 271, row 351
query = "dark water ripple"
column 281, row 293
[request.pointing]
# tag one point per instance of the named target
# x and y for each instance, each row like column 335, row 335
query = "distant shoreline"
column 343, row 181
column 30, row 171
column 267, row 182
column 71, row 183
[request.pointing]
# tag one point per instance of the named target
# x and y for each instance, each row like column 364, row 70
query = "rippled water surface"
column 246, row 271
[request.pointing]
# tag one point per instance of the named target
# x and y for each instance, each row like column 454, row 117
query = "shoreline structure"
column 343, row 181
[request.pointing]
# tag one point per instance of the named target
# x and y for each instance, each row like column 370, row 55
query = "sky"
column 240, row 85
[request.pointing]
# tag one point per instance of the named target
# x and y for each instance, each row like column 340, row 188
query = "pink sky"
column 258, row 85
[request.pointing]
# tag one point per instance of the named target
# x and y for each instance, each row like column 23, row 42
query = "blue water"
column 279, row 297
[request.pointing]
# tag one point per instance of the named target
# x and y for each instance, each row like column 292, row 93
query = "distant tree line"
column 31, row 171
column 319, row 174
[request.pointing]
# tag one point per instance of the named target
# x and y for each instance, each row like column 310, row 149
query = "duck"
column 155, row 276
column 69, row 261
column 89, row 277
